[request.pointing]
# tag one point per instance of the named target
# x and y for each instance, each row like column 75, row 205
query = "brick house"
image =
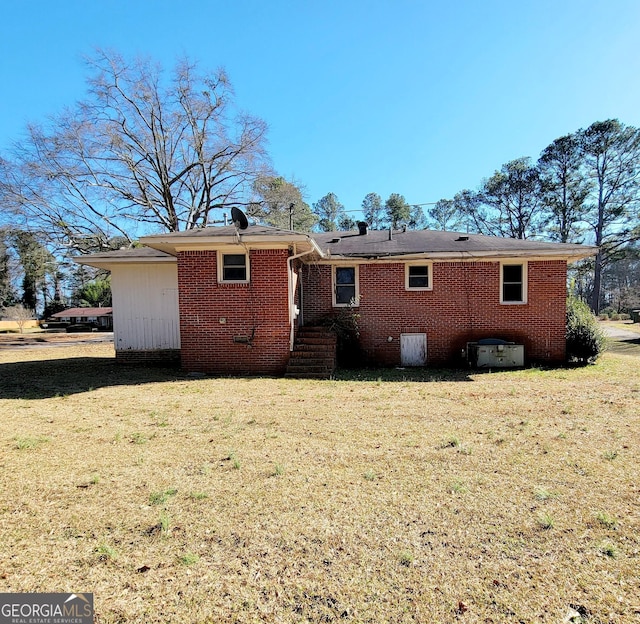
column 226, row 301
column 101, row 318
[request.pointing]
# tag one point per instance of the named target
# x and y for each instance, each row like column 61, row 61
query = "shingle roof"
column 374, row 244
column 71, row 312
column 227, row 230
column 380, row 244
column 125, row 256
column 174, row 242
column 135, row 252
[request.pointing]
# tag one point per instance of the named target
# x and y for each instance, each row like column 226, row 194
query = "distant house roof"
column 75, row 312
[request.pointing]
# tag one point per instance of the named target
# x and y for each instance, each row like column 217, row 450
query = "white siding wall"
column 145, row 306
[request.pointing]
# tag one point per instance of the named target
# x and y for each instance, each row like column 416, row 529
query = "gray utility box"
column 495, row 354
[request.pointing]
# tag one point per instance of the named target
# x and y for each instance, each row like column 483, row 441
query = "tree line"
column 32, row 279
column 584, row 188
column 149, row 150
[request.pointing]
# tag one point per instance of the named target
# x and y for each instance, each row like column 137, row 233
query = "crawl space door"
column 413, row 349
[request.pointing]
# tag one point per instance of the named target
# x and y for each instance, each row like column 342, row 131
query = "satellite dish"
column 239, row 218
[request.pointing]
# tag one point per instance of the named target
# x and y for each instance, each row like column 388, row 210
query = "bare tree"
column 143, row 149
column 19, row 314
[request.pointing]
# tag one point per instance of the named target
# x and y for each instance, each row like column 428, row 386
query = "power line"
column 412, row 206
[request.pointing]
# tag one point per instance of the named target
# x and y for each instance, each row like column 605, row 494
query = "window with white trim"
column 417, row 276
column 345, row 285
column 513, row 282
column 233, row 268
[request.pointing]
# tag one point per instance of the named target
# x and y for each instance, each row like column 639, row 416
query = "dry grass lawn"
column 390, row 496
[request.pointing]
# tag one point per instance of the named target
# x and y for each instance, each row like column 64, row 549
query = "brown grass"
column 388, row 496
column 37, row 337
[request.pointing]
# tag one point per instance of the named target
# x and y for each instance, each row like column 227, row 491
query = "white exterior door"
column 413, row 349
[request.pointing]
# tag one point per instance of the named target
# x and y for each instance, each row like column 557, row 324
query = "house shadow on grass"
column 624, row 347
column 407, row 374
column 43, row 379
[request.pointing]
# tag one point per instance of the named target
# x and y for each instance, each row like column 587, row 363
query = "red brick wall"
column 257, row 311
column 463, row 306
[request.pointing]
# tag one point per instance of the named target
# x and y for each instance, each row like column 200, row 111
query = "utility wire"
column 412, row 206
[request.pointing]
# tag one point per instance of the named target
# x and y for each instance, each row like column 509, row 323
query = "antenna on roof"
column 239, row 218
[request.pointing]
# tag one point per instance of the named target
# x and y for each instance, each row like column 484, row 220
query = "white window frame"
column 525, row 272
column 232, row 252
column 356, row 273
column 427, row 264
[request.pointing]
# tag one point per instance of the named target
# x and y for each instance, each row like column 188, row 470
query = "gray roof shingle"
column 379, row 244
column 351, row 244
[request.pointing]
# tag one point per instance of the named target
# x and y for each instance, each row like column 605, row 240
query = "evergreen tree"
column 36, row 262
column 279, row 203
column 612, row 163
column 565, row 188
column 7, row 295
column 373, row 211
column 330, row 212
column 398, row 212
column 444, row 215
column 514, row 195
column 94, row 294
column 417, row 218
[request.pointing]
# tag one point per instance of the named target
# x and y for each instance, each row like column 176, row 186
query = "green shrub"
column 618, row 316
column 585, row 340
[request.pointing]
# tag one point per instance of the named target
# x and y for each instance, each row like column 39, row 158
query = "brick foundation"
column 164, row 357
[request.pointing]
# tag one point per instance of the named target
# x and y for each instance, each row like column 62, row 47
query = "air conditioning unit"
column 495, row 353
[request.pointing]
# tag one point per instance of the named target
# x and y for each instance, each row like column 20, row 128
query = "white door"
column 413, row 349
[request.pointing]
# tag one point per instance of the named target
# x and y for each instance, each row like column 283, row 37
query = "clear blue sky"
column 418, row 98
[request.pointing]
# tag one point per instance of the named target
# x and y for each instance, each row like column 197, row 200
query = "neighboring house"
column 101, row 318
column 227, row 301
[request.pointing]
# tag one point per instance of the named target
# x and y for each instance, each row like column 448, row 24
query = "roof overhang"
column 174, row 245
column 464, row 256
column 106, row 262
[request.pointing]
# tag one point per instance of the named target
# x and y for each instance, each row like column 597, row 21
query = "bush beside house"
column 585, row 340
